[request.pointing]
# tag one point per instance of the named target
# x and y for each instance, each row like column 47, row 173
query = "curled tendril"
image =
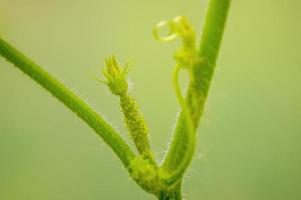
column 186, row 57
column 172, row 177
column 172, row 34
column 177, row 27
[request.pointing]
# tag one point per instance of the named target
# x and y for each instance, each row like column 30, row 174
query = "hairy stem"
column 198, row 89
column 70, row 100
column 175, row 194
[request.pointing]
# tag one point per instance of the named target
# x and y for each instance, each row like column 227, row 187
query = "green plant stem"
column 175, row 194
column 198, row 90
column 73, row 102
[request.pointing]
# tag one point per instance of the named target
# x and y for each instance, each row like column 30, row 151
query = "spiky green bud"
column 116, row 76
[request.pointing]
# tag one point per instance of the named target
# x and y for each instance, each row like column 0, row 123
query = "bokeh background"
column 249, row 142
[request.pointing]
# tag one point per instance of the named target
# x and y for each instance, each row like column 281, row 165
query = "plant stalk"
column 175, row 194
column 70, row 100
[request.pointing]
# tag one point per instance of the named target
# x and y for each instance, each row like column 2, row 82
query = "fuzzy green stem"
column 203, row 71
column 175, row 194
column 70, row 100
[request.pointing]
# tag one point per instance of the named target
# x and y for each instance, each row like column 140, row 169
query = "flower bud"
column 116, row 76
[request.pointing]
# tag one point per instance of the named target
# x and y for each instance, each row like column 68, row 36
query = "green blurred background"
column 249, row 139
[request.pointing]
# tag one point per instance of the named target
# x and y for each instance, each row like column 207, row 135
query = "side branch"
column 70, row 100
